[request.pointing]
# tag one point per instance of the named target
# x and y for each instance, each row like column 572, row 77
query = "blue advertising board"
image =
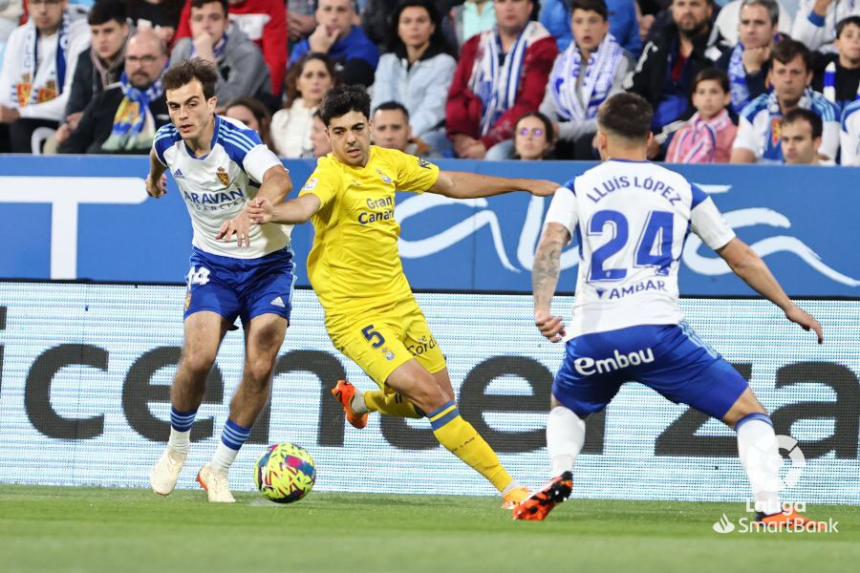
column 89, row 218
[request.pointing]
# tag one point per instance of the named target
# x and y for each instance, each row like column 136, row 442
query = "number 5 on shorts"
column 370, row 335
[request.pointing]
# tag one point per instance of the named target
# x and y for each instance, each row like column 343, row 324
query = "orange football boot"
column 791, row 521
column 538, row 506
column 344, row 392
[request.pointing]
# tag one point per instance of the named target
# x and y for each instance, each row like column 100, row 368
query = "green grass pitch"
column 122, row 530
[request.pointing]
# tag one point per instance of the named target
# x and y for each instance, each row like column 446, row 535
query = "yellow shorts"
column 381, row 340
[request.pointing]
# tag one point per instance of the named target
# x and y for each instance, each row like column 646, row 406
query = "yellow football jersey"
column 354, row 263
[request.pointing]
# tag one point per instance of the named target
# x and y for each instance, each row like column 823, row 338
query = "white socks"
column 359, row 406
column 179, row 441
column 223, row 458
column 759, row 453
column 565, row 435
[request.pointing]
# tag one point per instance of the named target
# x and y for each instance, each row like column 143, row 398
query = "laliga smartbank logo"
column 761, row 464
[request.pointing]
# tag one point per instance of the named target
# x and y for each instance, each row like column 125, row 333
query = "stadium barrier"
column 89, row 218
column 85, row 371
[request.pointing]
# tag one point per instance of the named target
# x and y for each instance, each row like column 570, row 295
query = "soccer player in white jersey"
column 631, row 218
column 220, row 166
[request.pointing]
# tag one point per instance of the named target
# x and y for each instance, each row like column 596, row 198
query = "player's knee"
column 258, row 372
column 197, row 363
column 428, row 394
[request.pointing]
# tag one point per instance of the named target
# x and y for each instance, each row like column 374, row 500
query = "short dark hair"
column 845, row 22
column 343, row 99
column 598, row 6
column 393, row 106
column 807, row 115
column 626, row 115
column 770, row 5
column 787, row 49
column 353, row 3
column 712, row 75
column 187, row 71
column 201, row 3
column 104, row 11
column 547, row 124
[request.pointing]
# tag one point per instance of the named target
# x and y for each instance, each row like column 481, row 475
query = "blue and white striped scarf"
column 498, row 85
column 30, row 94
column 738, row 79
column 829, row 88
column 596, row 83
column 133, row 124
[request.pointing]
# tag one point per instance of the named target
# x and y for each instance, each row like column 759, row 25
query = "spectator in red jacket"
column 264, row 22
column 502, row 74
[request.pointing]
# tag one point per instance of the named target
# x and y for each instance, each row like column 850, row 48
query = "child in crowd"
column 709, row 134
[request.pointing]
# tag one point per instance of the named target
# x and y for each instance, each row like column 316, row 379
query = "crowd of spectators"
column 731, row 81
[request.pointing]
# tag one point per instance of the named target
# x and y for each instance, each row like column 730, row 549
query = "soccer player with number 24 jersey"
column 631, row 219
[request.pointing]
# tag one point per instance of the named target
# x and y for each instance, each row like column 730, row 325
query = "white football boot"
column 166, row 470
column 216, row 485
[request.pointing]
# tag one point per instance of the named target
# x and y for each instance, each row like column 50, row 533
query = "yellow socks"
column 462, row 440
column 391, row 404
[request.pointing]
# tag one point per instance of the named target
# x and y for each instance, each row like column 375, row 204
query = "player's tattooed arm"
column 156, row 180
column 463, row 185
column 545, row 272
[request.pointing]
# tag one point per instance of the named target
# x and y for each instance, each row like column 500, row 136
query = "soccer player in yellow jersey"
column 355, row 269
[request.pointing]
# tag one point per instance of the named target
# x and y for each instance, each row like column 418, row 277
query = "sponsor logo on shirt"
column 381, row 210
column 586, row 366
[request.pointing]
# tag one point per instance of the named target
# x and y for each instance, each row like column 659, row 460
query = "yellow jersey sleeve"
column 324, row 182
column 414, row 174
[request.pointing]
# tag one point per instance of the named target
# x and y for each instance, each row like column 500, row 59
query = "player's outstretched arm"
column 545, row 272
column 290, row 212
column 156, row 180
column 745, row 263
column 461, row 185
column 276, row 184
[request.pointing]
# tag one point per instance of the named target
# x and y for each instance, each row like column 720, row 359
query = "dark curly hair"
column 343, row 99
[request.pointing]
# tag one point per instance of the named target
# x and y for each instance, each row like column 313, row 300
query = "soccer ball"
column 285, row 473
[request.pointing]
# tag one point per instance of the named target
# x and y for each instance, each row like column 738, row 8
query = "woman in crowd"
column 533, row 137
column 417, row 71
column 307, row 82
column 254, row 114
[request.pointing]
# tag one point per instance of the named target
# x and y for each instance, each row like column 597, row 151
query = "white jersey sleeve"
column 707, row 221
column 562, row 210
column 259, row 160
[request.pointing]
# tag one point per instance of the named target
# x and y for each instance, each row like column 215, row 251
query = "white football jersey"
column 631, row 220
column 216, row 187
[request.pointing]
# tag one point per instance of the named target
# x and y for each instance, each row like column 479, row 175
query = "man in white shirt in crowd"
column 36, row 77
